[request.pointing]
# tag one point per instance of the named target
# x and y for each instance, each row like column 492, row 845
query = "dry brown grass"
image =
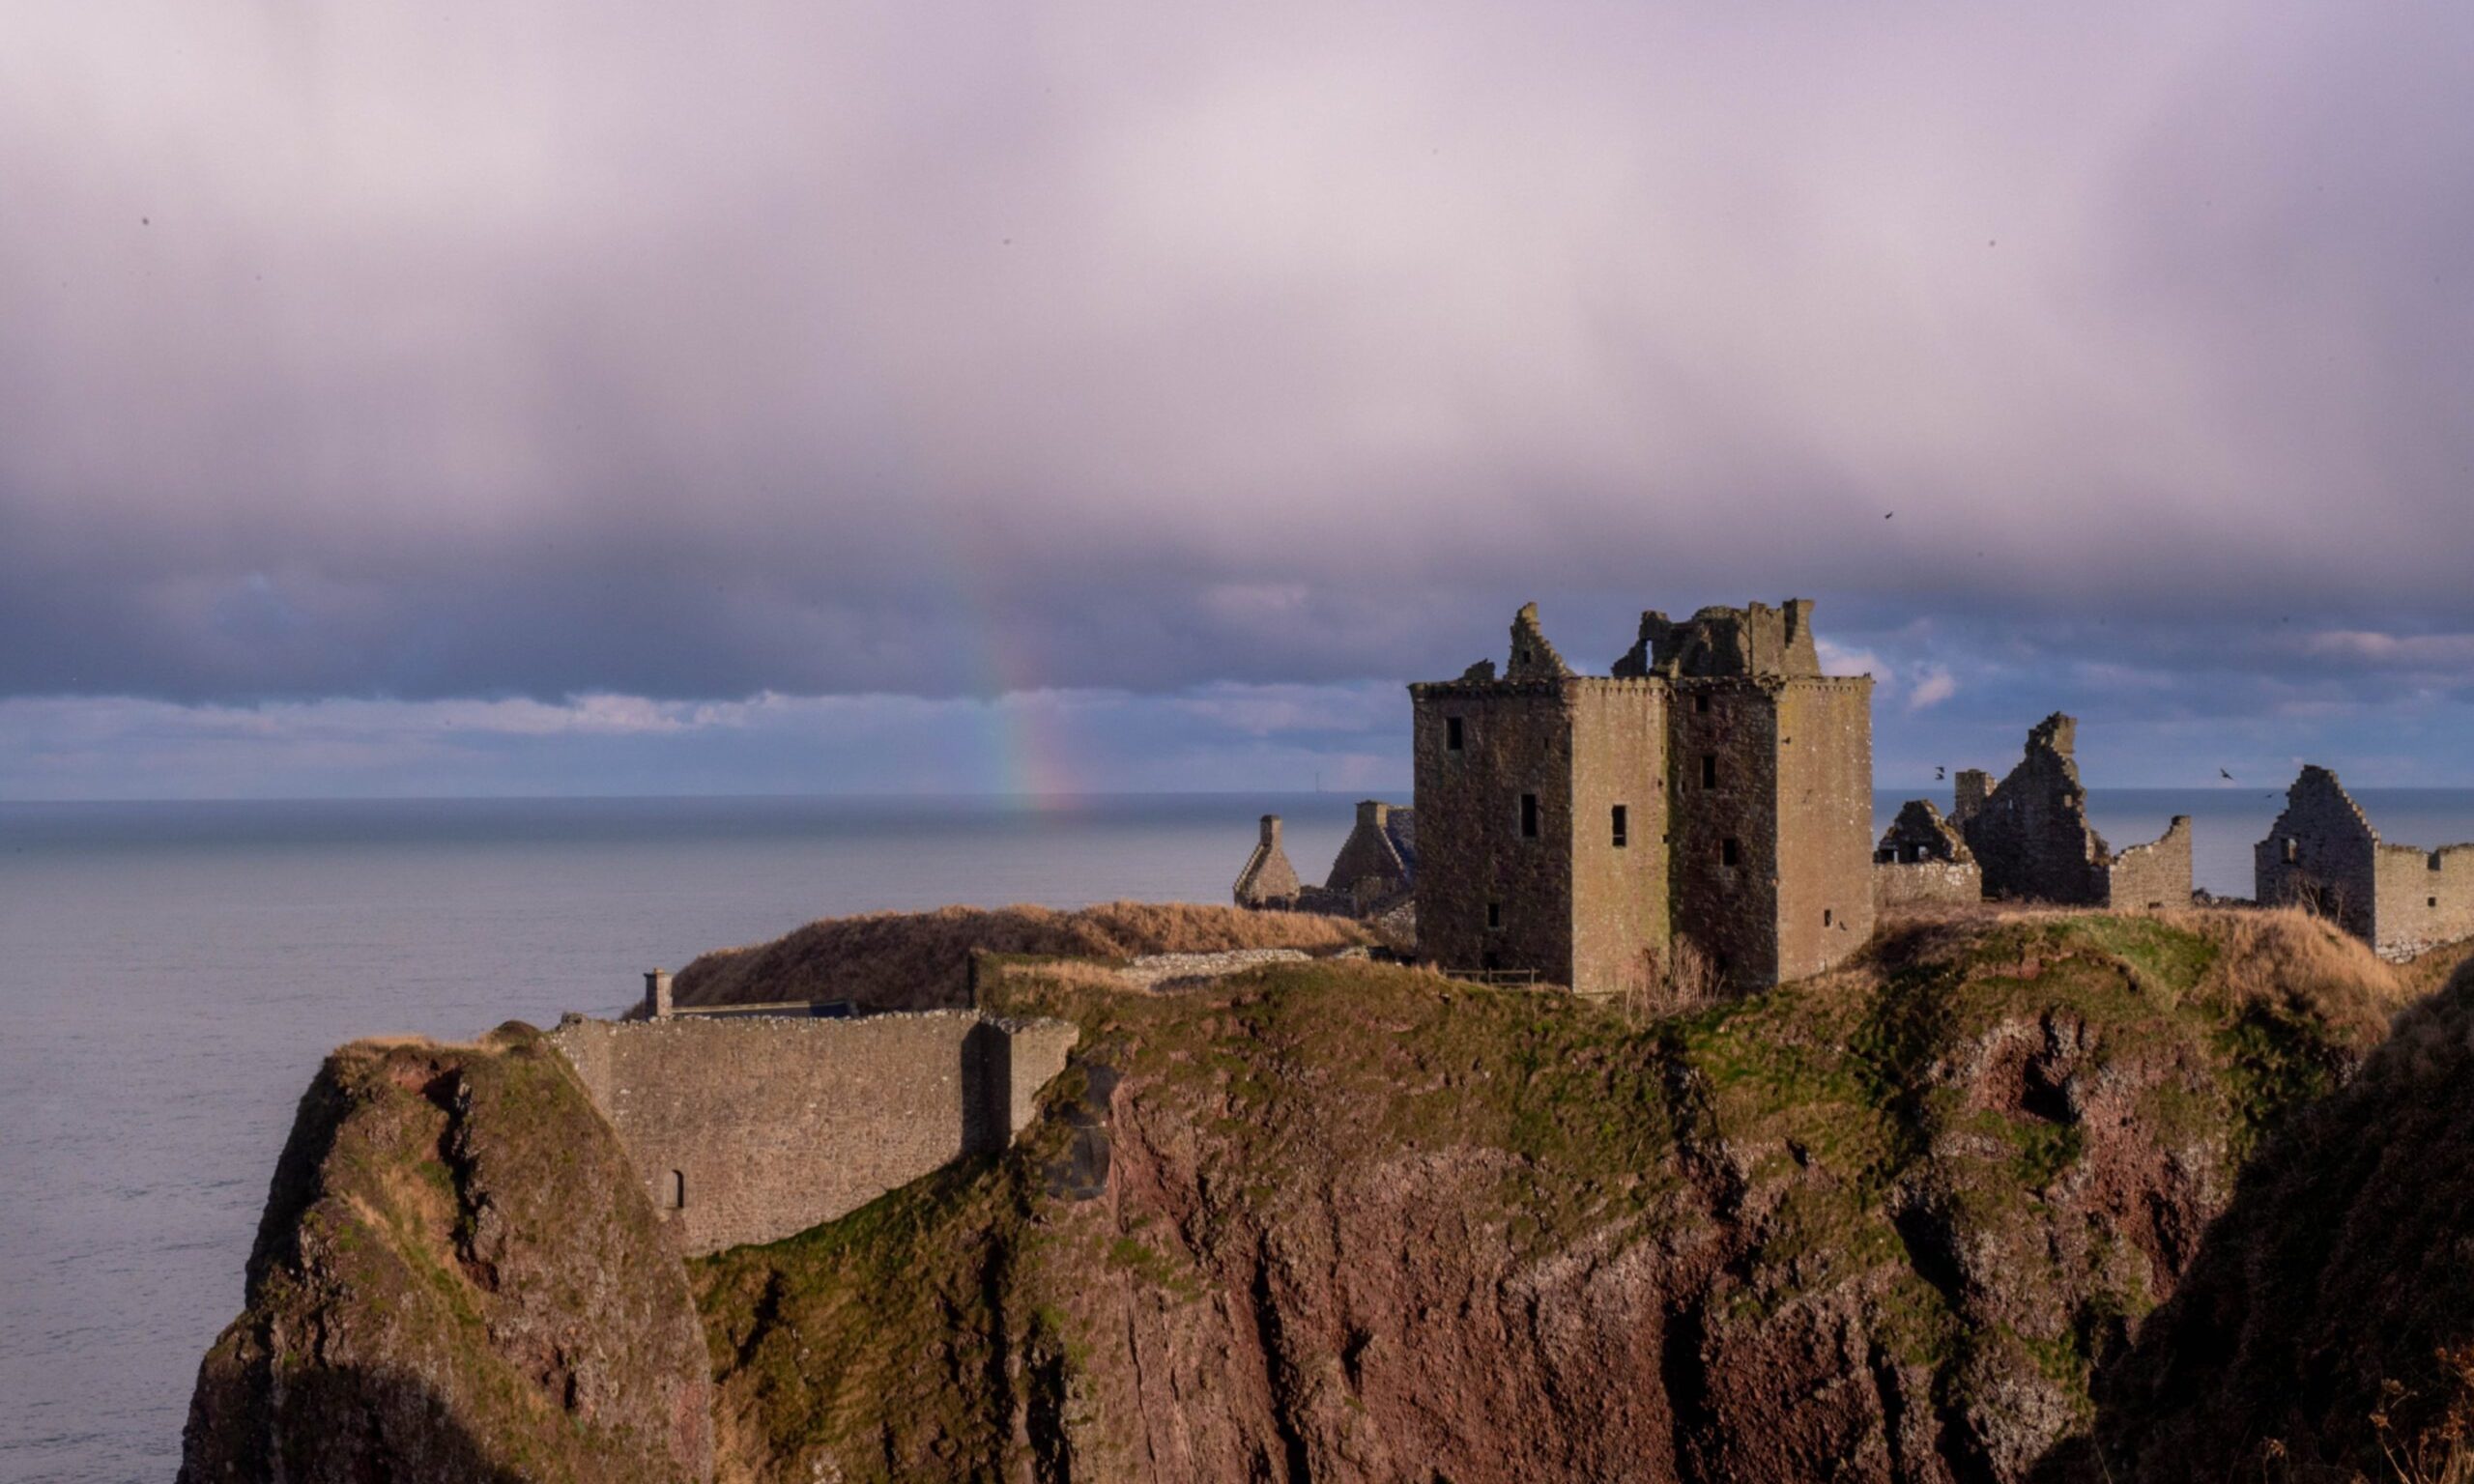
column 921, row 960
column 2285, row 955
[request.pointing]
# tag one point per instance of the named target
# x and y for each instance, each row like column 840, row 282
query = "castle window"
column 1700, row 701
column 1620, row 840
column 1452, row 734
column 677, row 1191
column 1825, row 916
column 1494, row 914
column 1708, row 770
column 1728, row 851
column 1529, row 816
column 2293, row 851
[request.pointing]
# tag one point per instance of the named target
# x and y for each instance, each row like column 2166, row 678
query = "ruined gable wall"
column 1367, row 856
column 1516, row 739
column 779, row 1123
column 2153, row 876
column 1824, row 822
column 2031, row 836
column 1730, row 912
column 2332, row 846
column 2425, row 898
column 1268, row 879
column 1619, row 892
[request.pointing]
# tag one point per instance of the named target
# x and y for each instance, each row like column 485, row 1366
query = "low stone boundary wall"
column 749, row 1129
column 1178, row 971
column 1926, row 883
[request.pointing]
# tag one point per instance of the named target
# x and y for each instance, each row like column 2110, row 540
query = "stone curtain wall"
column 1723, row 768
column 2155, row 874
column 2425, row 898
column 775, row 1125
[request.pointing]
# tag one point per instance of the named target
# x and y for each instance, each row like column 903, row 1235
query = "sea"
column 171, row 974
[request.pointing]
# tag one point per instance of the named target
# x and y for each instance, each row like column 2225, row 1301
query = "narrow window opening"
column 2433, row 862
column 1452, row 734
column 1494, row 914
column 1708, row 770
column 1826, row 917
column 679, row 1190
column 2293, row 851
column 1728, row 850
column 1520, row 656
column 1529, row 816
column 1619, row 838
column 1701, row 702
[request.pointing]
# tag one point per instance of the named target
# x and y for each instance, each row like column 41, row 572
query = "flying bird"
column 1941, row 771
column 2228, row 776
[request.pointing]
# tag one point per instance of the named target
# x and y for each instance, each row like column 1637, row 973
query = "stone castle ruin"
column 2031, row 840
column 1923, row 860
column 2322, row 855
column 1709, row 801
column 1374, row 874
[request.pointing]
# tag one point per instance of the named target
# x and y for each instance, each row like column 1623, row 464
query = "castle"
column 1709, row 800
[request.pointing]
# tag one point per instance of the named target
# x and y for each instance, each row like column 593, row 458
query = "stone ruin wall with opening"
column 777, row 1123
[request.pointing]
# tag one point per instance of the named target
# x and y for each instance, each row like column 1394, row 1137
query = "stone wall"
column 2321, row 855
column 767, row 1127
column 2031, row 836
column 2153, row 876
column 2425, row 898
column 1620, row 903
column 1824, row 822
column 1722, row 761
column 1488, row 894
column 1898, row 884
column 1268, row 881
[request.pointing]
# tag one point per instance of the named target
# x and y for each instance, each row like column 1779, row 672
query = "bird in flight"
column 1941, row 771
column 2228, row 776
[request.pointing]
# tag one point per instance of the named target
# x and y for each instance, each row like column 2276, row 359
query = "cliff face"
column 2327, row 1329
column 2053, row 1198
column 1360, row 1224
column 456, row 1278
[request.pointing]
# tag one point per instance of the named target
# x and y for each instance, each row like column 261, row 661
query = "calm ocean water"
column 170, row 974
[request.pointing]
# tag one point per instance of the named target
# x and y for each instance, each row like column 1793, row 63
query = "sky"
column 798, row 397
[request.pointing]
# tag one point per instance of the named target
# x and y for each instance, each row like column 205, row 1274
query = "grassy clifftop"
column 1361, row 1222
column 921, row 960
column 457, row 1279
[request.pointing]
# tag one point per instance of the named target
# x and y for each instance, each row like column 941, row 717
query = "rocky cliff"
column 1359, row 1224
column 456, row 1279
column 2052, row 1197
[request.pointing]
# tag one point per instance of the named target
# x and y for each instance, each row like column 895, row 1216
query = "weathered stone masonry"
column 2323, row 854
column 1923, row 861
column 1373, row 873
column 2031, row 838
column 749, row 1130
column 1716, row 788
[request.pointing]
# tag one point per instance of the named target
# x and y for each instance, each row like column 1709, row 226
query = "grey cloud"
column 684, row 355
